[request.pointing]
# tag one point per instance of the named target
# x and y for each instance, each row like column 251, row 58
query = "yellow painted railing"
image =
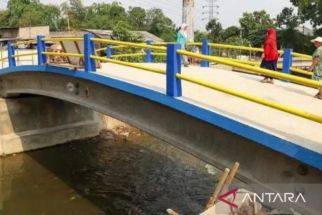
column 113, row 47
column 133, row 65
column 25, row 42
column 303, row 56
column 25, row 54
column 253, row 63
column 301, row 71
column 62, row 39
column 252, row 98
column 293, row 78
column 248, row 48
column 63, row 54
column 226, row 46
column 129, row 44
column 159, row 54
column 128, row 55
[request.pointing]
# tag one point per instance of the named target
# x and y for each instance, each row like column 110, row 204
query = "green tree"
column 122, row 31
column 215, row 29
column 258, row 20
column 30, row 12
column 288, row 35
column 238, row 41
column 74, row 14
column 137, row 18
column 160, row 25
column 287, row 19
column 254, row 25
column 104, row 16
column 4, row 14
column 74, row 11
column 200, row 36
column 15, row 10
column 229, row 32
column 309, row 10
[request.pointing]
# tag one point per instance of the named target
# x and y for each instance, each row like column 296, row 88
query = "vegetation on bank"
column 73, row 15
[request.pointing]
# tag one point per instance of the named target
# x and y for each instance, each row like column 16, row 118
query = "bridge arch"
column 207, row 135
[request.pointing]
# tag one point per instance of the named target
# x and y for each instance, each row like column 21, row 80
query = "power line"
column 211, row 10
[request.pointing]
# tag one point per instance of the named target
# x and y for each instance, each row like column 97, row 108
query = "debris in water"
column 211, row 169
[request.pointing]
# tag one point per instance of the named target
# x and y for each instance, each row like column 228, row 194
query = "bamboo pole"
column 218, row 188
column 171, row 212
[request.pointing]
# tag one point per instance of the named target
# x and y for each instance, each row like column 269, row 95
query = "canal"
column 121, row 172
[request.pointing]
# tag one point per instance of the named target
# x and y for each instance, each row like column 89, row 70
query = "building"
column 105, row 34
column 23, row 33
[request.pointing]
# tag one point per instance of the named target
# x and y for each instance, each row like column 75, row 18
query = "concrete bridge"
column 220, row 116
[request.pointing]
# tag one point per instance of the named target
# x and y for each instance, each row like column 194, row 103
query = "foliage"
column 121, row 31
column 236, row 40
column 309, row 10
column 231, row 31
column 256, row 21
column 215, row 29
column 160, row 25
column 288, row 19
column 288, row 35
column 137, row 18
column 200, row 36
column 73, row 15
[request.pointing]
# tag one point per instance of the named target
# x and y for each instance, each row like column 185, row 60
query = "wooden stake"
column 232, row 173
column 171, row 212
column 230, row 179
column 218, row 189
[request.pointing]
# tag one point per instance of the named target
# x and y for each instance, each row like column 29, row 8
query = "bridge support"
column 89, row 49
column 174, row 87
column 109, row 51
column 11, row 53
column 41, row 47
column 30, row 123
column 148, row 56
column 205, row 50
column 287, row 61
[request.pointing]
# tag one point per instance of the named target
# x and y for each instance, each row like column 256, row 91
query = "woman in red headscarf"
column 270, row 55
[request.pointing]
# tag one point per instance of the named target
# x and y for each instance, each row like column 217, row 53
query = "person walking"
column 270, row 55
column 182, row 38
column 316, row 66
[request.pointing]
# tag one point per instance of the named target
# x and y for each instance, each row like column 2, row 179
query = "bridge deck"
column 283, row 125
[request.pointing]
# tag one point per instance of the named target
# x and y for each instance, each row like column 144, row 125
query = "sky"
column 229, row 10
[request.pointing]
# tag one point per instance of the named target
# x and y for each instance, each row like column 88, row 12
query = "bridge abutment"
column 34, row 122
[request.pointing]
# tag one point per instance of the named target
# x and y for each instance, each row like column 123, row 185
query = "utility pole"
column 188, row 7
column 211, row 10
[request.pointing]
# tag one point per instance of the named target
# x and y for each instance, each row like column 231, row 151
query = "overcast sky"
column 229, row 10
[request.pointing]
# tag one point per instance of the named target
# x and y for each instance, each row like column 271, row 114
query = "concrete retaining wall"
column 36, row 122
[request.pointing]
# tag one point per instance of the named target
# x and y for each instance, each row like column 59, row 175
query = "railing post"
column 11, row 52
column 41, row 47
column 148, row 52
column 109, row 51
column 89, row 49
column 205, row 51
column 287, row 60
column 174, row 88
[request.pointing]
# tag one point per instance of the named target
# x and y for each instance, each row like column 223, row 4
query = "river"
column 127, row 172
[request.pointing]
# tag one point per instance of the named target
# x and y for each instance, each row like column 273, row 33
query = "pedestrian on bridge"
column 316, row 66
column 182, row 38
column 270, row 55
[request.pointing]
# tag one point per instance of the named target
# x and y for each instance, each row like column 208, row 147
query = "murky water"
column 105, row 175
